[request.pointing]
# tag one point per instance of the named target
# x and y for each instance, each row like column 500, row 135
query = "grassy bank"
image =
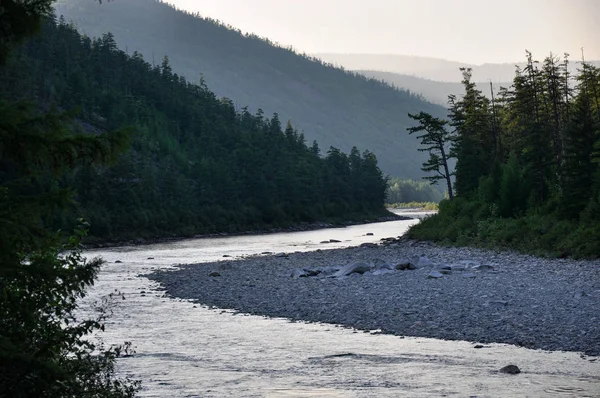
column 472, row 223
column 431, row 206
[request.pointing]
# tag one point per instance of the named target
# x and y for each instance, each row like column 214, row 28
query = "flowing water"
column 186, row 350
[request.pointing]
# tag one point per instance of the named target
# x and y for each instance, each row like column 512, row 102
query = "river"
column 187, row 350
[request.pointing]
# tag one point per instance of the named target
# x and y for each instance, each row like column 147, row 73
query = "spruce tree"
column 475, row 145
column 436, row 140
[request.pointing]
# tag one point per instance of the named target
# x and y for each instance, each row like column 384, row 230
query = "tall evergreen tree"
column 542, row 190
column 475, row 144
column 436, row 140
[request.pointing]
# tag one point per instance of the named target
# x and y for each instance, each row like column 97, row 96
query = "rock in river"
column 511, row 369
column 369, row 245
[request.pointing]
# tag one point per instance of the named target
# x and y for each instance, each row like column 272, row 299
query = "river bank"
column 468, row 294
column 388, row 215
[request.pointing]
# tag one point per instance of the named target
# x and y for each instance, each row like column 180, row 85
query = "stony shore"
column 455, row 293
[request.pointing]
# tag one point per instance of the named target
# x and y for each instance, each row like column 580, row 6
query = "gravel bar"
column 550, row 304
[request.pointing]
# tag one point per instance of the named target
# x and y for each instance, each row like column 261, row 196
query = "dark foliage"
column 196, row 165
column 528, row 165
column 45, row 350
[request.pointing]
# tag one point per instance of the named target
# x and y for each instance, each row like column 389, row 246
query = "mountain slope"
column 330, row 105
column 433, row 91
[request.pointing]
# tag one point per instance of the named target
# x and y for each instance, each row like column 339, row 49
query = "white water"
column 185, row 350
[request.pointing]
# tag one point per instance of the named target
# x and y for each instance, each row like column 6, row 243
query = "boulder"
column 329, row 270
column 424, row 262
column 118, row 262
column 382, row 271
column 299, row 273
column 356, row 268
column 380, row 264
column 214, row 274
column 369, row 234
column 313, row 272
column 435, row 275
column 334, row 241
column 369, row 245
column 444, row 269
column 420, row 262
column 403, row 264
column 468, row 263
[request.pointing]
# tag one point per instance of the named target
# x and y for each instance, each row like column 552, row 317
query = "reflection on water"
column 184, row 350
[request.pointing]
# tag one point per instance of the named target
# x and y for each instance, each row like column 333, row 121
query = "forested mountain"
column 433, row 91
column 527, row 164
column 433, row 68
column 332, row 106
column 196, row 165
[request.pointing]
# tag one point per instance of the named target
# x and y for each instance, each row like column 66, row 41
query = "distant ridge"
column 431, row 90
column 436, row 69
column 333, row 106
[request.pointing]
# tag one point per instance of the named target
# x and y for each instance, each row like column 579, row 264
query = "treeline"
column 527, row 163
column 196, row 165
column 409, row 191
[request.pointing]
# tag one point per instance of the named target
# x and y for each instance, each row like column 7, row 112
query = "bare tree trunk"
column 447, row 175
column 495, row 133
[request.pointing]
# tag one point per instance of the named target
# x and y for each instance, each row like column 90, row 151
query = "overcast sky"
column 474, row 31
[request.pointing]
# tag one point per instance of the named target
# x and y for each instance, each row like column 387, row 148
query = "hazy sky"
column 474, row 31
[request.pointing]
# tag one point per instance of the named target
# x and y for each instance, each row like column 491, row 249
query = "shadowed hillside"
column 333, row 106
